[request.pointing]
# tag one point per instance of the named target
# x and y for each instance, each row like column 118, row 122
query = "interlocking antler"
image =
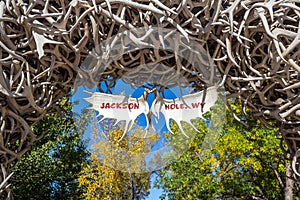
column 254, row 44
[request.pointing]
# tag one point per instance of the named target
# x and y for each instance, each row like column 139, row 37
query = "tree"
column 117, row 169
column 246, row 163
column 50, row 169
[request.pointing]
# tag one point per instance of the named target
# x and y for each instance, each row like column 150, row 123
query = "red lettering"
column 107, row 106
column 130, row 106
column 202, row 104
column 133, row 106
column 196, row 105
column 102, row 106
column 172, row 106
column 119, row 106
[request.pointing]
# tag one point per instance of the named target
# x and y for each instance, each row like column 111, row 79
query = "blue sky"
column 126, row 90
column 154, row 192
column 77, row 108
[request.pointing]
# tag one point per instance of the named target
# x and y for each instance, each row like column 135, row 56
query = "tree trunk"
column 288, row 191
column 133, row 188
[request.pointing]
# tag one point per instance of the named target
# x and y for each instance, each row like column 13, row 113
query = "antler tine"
column 45, row 44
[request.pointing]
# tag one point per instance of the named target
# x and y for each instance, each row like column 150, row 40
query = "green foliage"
column 50, row 169
column 246, row 163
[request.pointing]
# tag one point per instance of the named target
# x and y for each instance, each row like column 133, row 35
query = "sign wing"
column 185, row 108
column 118, row 107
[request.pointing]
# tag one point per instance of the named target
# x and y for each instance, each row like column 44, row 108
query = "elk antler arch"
column 254, row 44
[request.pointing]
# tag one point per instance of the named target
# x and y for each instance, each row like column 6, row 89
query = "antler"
column 254, row 44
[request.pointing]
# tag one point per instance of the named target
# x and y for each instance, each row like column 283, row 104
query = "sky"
column 159, row 126
column 77, row 108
